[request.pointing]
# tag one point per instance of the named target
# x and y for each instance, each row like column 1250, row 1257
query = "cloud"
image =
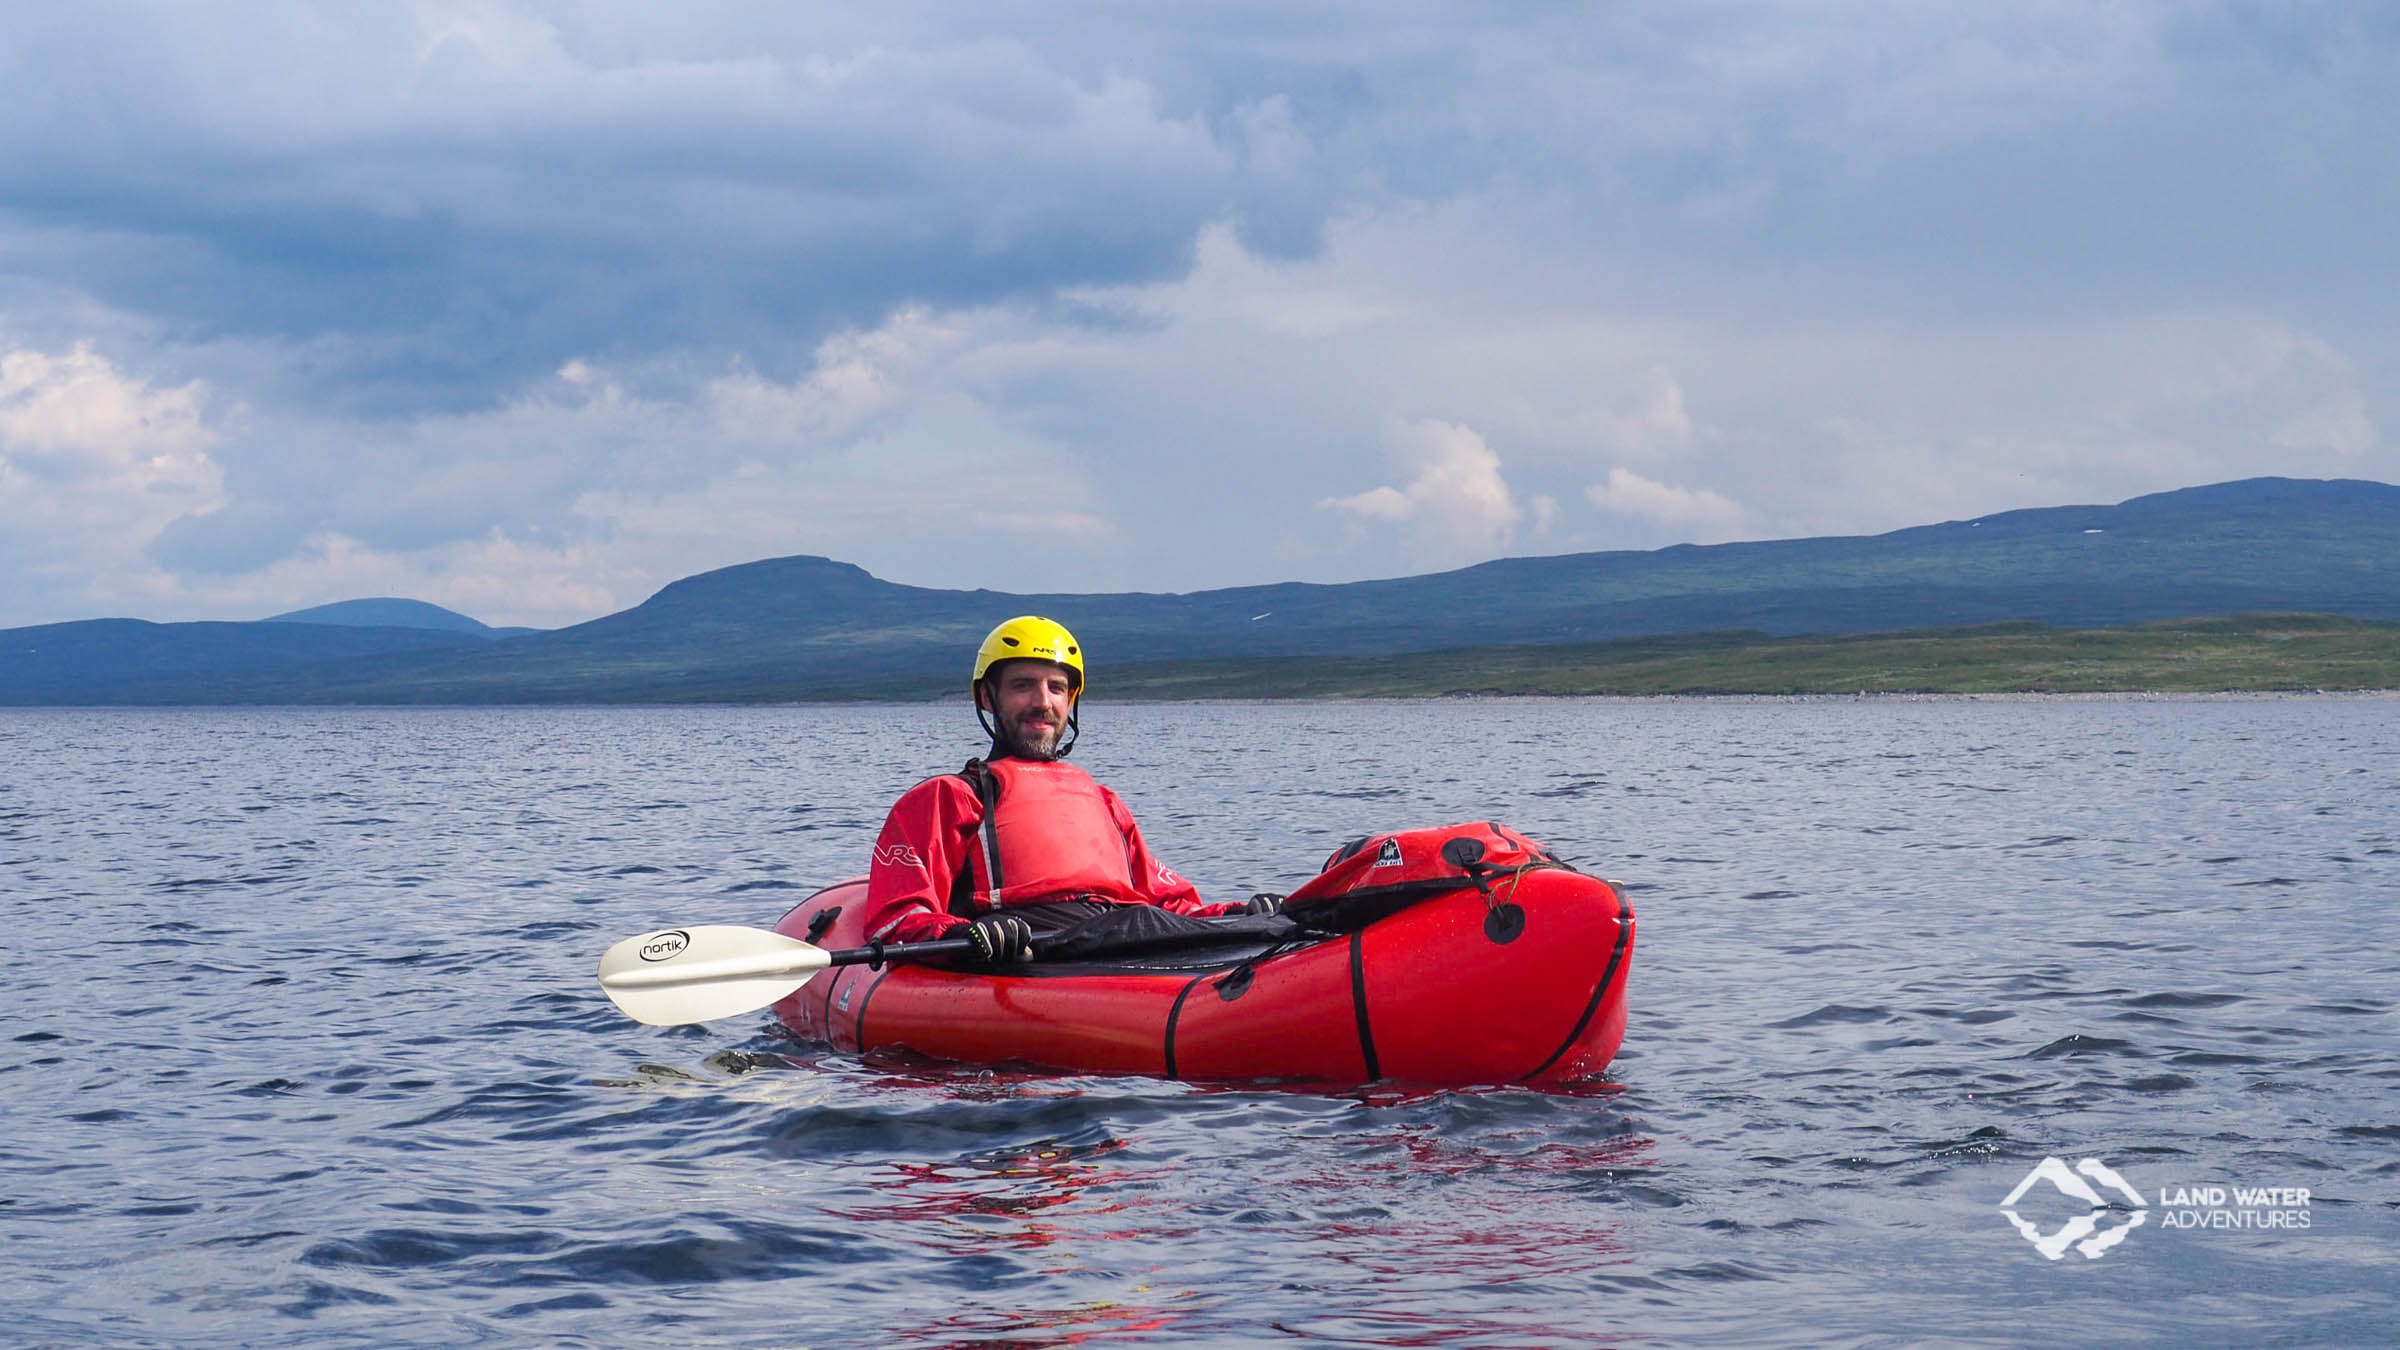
column 497, row 579
column 93, row 465
column 77, row 407
column 236, row 537
column 1710, row 514
column 1207, row 444
column 1152, row 297
column 494, row 190
column 468, row 196
column 1656, row 424
column 857, row 374
column 1842, row 428
column 1457, row 502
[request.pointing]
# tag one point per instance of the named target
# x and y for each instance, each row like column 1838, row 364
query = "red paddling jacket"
column 1007, row 833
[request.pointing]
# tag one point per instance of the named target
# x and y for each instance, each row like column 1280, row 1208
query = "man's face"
column 1029, row 701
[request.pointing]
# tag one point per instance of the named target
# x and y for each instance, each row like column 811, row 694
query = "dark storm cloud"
column 478, row 187
column 484, row 191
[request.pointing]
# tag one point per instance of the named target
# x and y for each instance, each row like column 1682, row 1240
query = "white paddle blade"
column 680, row 975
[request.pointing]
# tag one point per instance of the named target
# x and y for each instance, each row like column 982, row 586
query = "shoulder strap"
column 980, row 777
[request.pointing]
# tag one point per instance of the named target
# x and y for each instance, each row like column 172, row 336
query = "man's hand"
column 1263, row 903
column 1001, row 938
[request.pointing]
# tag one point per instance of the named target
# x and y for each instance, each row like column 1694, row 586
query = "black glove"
column 1263, row 903
column 1001, row 938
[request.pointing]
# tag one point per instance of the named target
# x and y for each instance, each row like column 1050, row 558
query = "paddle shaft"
column 879, row 954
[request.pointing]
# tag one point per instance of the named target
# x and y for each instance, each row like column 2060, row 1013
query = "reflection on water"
column 1372, row 1218
column 1031, row 1328
column 961, row 1200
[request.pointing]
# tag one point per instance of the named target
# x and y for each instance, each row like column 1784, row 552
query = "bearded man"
column 1019, row 842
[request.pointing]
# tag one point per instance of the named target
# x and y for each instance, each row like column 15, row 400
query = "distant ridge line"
column 811, row 627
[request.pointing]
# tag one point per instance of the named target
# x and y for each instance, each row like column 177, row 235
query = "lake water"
column 300, row 1043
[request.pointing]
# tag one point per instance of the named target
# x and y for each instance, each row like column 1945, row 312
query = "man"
column 1019, row 841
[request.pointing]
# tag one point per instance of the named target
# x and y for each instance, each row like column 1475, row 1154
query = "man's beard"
column 1025, row 741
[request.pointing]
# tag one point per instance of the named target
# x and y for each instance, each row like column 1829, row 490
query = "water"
column 302, row 1046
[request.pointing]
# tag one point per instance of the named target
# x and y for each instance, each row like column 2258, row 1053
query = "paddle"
column 680, row 975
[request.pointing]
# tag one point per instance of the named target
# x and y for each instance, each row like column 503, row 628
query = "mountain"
column 810, row 627
column 134, row 661
column 391, row 612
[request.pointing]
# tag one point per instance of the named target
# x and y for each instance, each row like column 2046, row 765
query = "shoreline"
column 1869, row 696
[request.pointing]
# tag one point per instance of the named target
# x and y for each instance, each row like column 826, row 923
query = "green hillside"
column 2256, row 653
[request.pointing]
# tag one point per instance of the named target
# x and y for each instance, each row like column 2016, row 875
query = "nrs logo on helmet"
column 1030, row 637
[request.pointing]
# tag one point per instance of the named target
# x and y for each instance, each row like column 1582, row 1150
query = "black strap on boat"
column 858, row 1025
column 1358, row 1001
column 980, row 777
column 1608, row 975
column 1351, row 910
column 1174, row 1016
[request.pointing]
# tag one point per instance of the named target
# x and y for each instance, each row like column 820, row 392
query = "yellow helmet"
column 1030, row 637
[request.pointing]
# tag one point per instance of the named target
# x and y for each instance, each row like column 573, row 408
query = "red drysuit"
column 1055, row 835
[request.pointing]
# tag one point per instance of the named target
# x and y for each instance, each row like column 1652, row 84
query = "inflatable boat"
column 1465, row 955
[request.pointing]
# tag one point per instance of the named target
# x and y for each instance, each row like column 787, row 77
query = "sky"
column 528, row 309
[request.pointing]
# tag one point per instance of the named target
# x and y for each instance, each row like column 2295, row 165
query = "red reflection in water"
column 1017, row 1183
column 1048, row 1198
column 1549, row 1230
column 1033, row 1329
column 1387, row 1223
